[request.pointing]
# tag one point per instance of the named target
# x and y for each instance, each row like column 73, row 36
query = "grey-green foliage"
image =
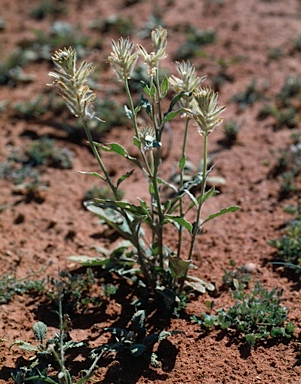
column 25, row 164
column 288, row 247
column 47, row 353
column 11, row 286
column 134, row 340
column 287, row 168
column 195, row 40
column 255, row 316
column 236, row 275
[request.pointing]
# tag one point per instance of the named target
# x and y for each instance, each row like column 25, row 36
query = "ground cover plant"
column 256, row 316
column 250, row 54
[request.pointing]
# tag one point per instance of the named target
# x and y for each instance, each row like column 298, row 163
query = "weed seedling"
column 289, row 247
column 50, row 352
column 231, row 129
column 255, row 316
column 236, row 276
column 134, row 341
column 196, row 39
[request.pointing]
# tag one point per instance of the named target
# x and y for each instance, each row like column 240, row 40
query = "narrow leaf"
column 171, row 115
column 180, row 221
column 182, row 162
column 24, row 345
column 233, row 208
column 95, row 174
column 164, row 86
column 124, row 176
column 137, row 142
column 175, row 99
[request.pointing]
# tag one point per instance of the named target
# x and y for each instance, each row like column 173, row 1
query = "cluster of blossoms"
column 198, row 102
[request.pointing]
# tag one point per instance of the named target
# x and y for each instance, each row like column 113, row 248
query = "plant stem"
column 183, row 156
column 99, row 160
column 129, row 96
column 199, row 208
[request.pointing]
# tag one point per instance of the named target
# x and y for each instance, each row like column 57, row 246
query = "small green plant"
column 134, row 341
column 288, row 170
column 231, row 129
column 285, row 110
column 55, row 348
column 74, row 290
column 164, row 271
column 47, row 8
column 236, row 276
column 248, row 97
column 122, row 26
column 256, row 316
column 196, row 39
column 97, row 192
column 289, row 247
column 11, row 286
column 44, row 152
column 24, row 166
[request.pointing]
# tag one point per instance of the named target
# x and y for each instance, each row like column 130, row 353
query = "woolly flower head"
column 187, row 82
column 159, row 40
column 122, row 59
column 205, row 110
column 72, row 82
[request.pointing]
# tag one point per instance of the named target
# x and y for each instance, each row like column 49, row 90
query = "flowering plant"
column 160, row 269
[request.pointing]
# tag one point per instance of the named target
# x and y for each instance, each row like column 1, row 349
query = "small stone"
column 250, row 267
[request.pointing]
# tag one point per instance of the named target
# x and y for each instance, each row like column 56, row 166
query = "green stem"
column 183, row 155
column 99, row 160
column 159, row 208
column 128, row 93
column 203, row 187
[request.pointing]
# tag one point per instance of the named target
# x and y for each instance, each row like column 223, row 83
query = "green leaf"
column 211, row 192
column 175, row 99
column 88, row 261
column 152, row 91
column 92, row 174
column 39, row 330
column 137, row 142
column 124, row 176
column 120, row 150
column 180, row 221
column 171, row 115
column 182, row 162
column 178, row 267
column 145, row 87
column 164, row 86
column 250, row 339
column 26, row 346
column 233, row 208
column 114, row 147
column 199, row 284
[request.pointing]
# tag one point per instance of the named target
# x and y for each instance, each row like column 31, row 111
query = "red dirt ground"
column 57, row 226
